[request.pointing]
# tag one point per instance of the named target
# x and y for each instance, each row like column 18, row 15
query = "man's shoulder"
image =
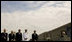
column 25, row 33
column 32, row 33
column 10, row 34
column 17, row 33
column 4, row 33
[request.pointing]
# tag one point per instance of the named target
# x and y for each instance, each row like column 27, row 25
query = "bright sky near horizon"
column 34, row 15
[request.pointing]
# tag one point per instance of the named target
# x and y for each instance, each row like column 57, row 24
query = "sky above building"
column 34, row 15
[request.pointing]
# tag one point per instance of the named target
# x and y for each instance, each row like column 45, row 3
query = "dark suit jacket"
column 18, row 36
column 4, row 36
column 34, row 37
column 11, row 37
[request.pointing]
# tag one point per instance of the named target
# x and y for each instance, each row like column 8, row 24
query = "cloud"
column 11, row 6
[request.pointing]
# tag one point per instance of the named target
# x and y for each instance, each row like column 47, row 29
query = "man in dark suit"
column 11, row 36
column 19, row 35
column 4, row 36
column 34, row 36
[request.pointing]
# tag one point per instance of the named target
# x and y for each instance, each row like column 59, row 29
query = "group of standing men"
column 18, row 36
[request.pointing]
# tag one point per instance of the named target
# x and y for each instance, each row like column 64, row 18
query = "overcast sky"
column 34, row 15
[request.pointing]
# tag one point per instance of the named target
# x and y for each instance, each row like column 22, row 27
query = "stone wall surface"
column 55, row 34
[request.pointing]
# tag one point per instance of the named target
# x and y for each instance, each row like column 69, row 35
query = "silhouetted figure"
column 64, row 36
column 19, row 35
column 34, row 36
column 11, row 36
column 4, row 36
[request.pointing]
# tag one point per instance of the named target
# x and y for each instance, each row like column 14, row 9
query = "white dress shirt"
column 25, row 35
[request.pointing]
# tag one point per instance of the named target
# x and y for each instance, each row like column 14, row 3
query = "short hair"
column 19, row 30
column 4, row 29
column 12, row 31
column 34, row 30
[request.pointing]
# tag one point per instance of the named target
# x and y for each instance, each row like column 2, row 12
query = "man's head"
column 4, row 30
column 19, row 30
column 63, row 32
column 11, row 32
column 34, row 31
column 25, row 30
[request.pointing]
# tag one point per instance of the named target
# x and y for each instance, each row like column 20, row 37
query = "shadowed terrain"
column 56, row 33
